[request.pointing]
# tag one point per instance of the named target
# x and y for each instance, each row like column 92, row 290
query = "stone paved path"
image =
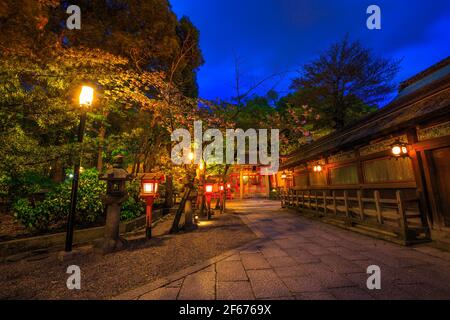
column 296, row 258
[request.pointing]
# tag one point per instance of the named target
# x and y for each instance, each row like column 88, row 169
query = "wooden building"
column 352, row 178
column 247, row 182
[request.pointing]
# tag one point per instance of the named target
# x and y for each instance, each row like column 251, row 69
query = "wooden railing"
column 397, row 213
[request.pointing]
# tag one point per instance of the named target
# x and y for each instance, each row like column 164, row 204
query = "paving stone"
column 254, row 261
column 340, row 265
column 237, row 290
column 303, row 284
column 348, row 254
column 331, row 279
column 292, row 271
column 198, row 286
column 325, row 242
column 302, row 256
column 314, row 249
column 234, row 257
column 351, row 293
column 230, row 271
column 266, row 284
column 289, row 243
column 161, row 294
column 175, row 284
column 270, row 252
column 315, row 296
column 281, row 261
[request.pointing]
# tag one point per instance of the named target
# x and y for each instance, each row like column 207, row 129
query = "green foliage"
column 53, row 210
column 134, row 206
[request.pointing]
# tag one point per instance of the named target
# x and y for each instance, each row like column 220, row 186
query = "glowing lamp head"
column 396, row 151
column 191, row 156
column 208, row 188
column 149, row 187
column 399, row 149
column 228, row 186
column 283, row 175
column 221, row 188
column 86, row 96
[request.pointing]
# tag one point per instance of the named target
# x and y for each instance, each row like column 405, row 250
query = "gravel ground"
column 102, row 277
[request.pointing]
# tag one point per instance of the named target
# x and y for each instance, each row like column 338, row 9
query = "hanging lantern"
column 399, row 149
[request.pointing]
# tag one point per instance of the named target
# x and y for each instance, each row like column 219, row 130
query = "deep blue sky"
column 273, row 36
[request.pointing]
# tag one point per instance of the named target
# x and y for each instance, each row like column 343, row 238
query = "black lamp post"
column 86, row 97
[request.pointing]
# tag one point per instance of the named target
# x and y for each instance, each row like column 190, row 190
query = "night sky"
column 278, row 36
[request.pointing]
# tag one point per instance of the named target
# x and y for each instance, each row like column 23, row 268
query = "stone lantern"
column 116, row 194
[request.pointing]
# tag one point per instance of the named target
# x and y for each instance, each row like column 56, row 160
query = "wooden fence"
column 390, row 212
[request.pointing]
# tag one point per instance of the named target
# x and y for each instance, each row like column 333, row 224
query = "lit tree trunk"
column 168, row 202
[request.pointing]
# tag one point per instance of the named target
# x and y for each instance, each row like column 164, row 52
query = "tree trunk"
column 176, row 220
column 168, row 194
column 57, row 172
column 101, row 140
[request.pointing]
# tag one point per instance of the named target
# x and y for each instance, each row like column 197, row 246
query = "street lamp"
column 86, row 99
column 208, row 193
column 149, row 191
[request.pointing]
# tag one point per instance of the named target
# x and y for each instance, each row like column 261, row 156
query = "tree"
column 344, row 83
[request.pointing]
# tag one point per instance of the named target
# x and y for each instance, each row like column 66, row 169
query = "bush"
column 133, row 207
column 53, row 210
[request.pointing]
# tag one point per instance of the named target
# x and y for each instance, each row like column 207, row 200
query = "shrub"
column 133, row 207
column 53, row 210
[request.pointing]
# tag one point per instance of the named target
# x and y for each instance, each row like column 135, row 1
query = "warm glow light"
column 221, row 188
column 201, row 166
column 191, row 156
column 319, row 168
column 396, row 151
column 148, row 187
column 404, row 150
column 86, row 96
column 209, row 188
column 228, row 186
column 283, row 176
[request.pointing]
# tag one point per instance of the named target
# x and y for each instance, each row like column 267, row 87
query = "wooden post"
column 334, row 203
column 360, row 204
column 376, row 196
column 347, row 212
column 241, row 184
column 403, row 221
column 303, row 199
column 317, row 201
